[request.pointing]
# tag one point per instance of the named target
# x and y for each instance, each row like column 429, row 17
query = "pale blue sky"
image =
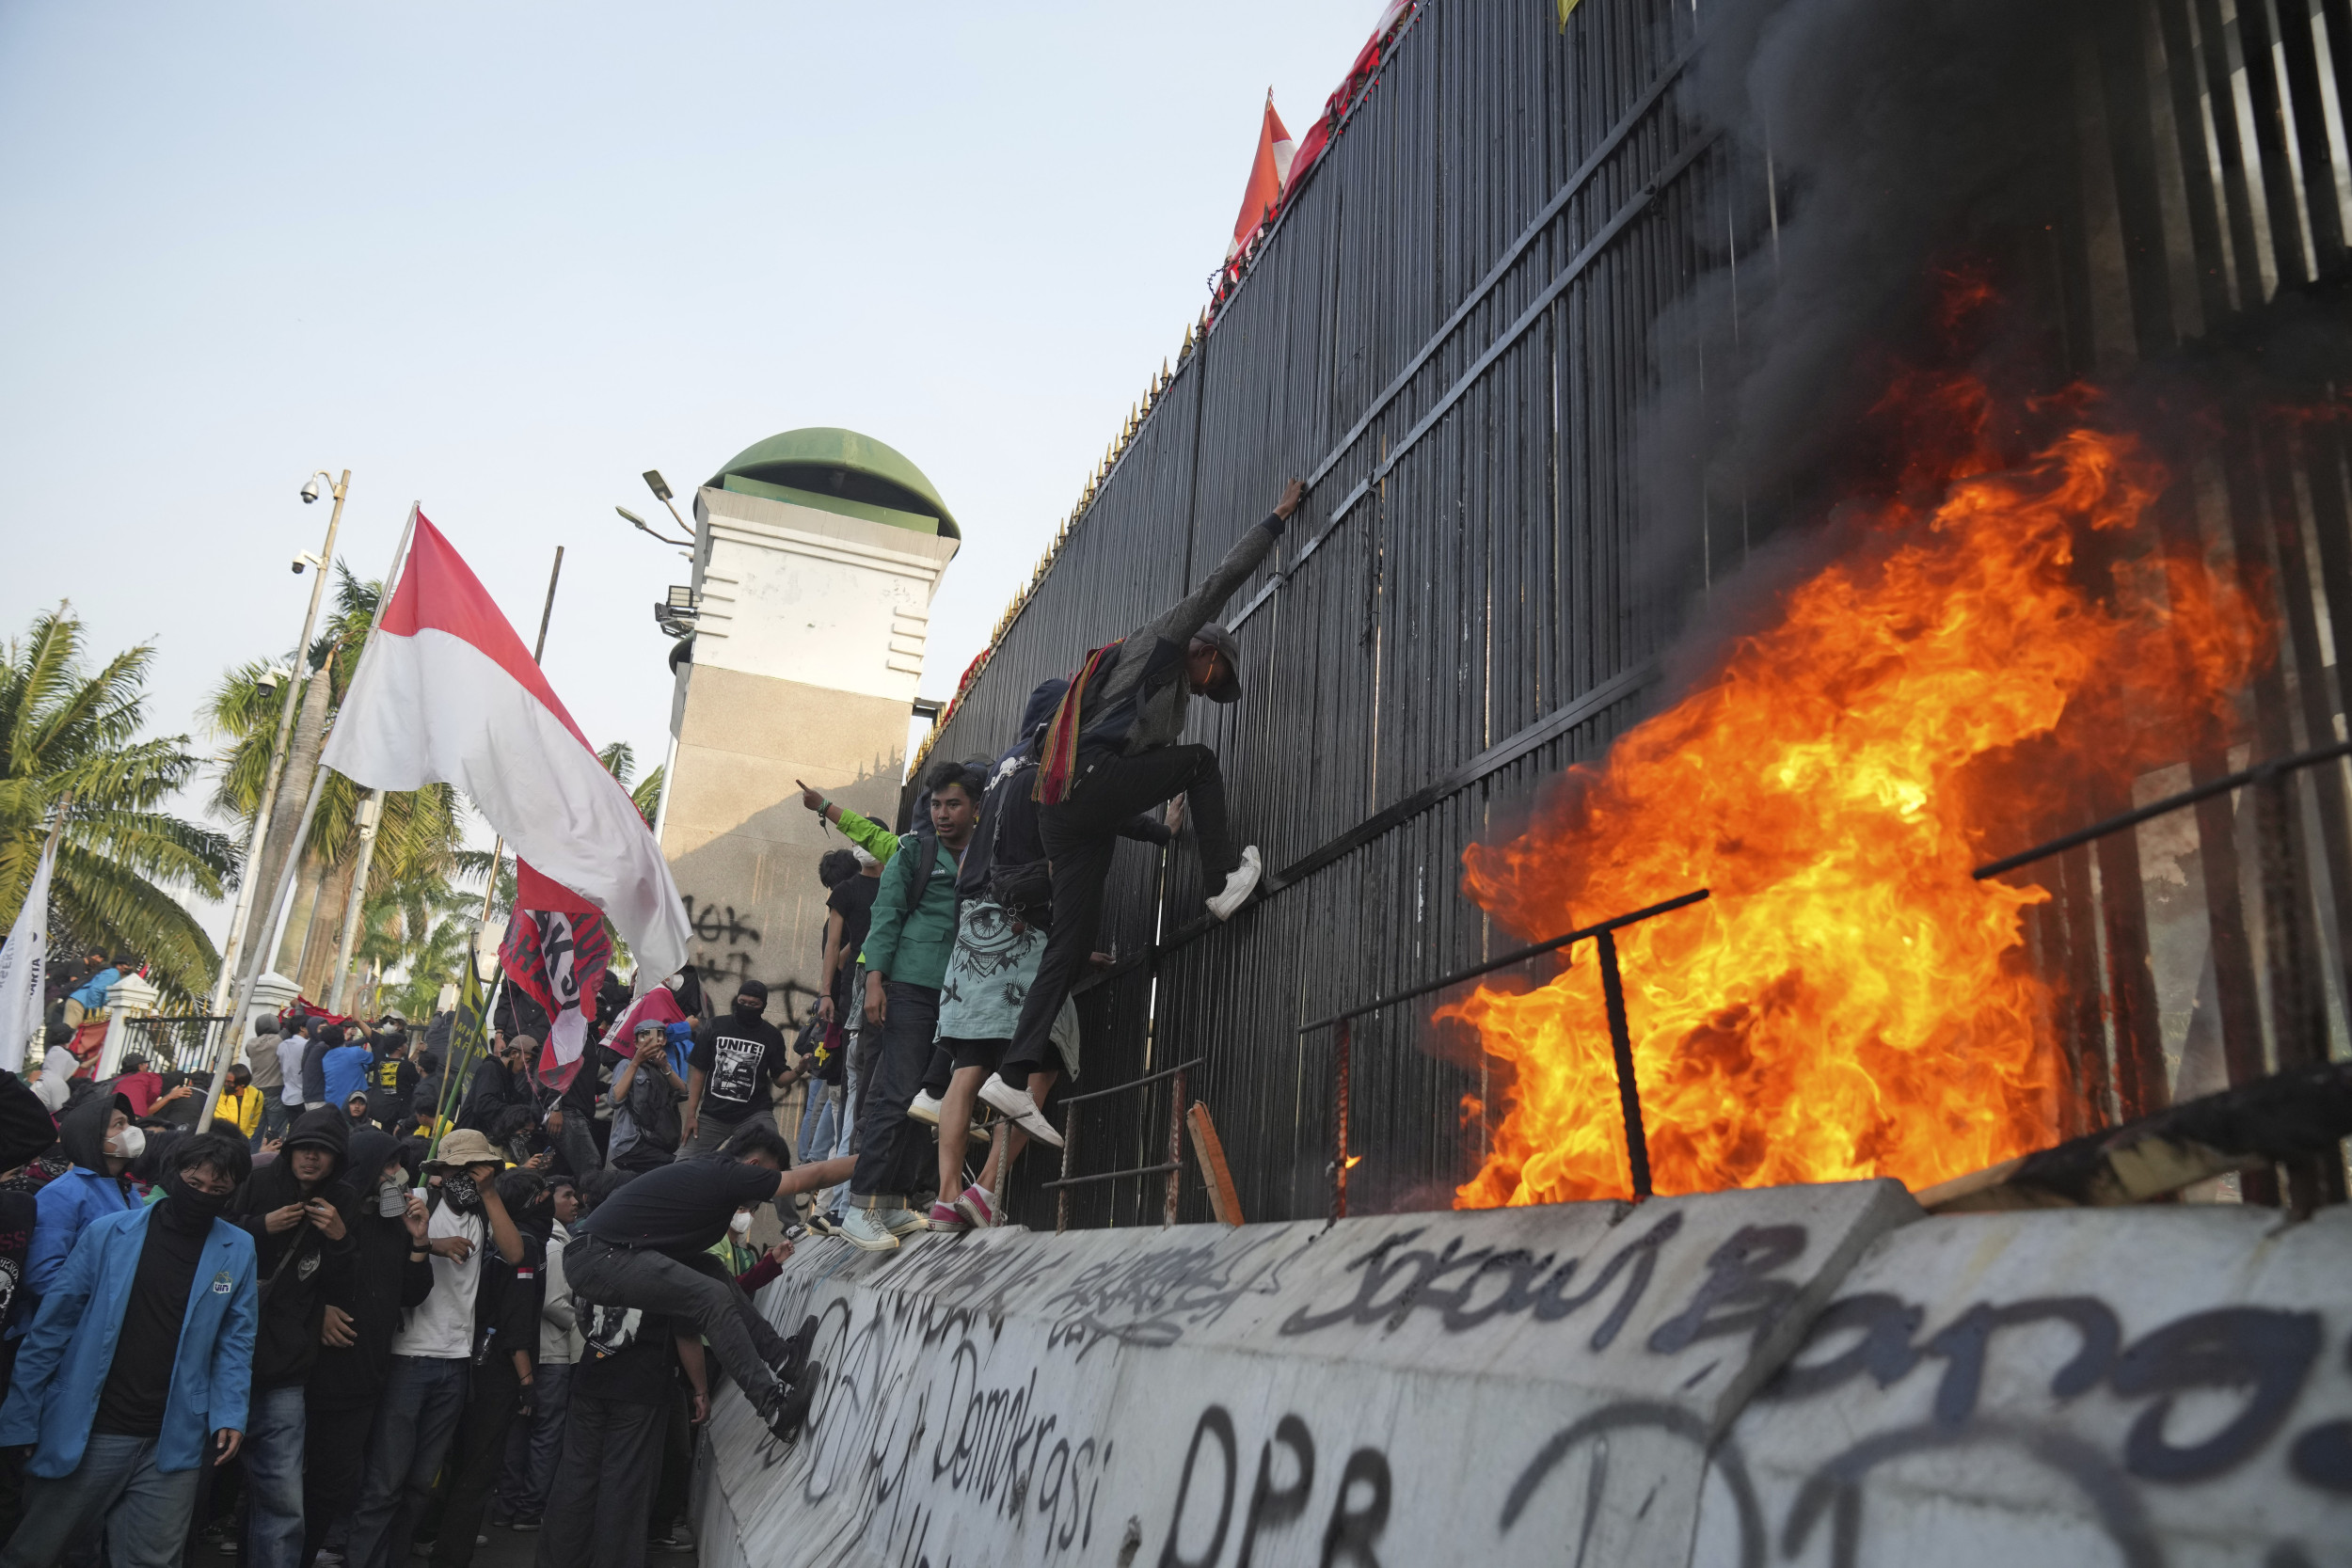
column 502, row 257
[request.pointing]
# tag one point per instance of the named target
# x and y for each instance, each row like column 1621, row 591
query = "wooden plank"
column 1224, row 1201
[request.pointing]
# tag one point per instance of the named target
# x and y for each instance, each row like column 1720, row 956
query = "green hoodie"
column 911, row 946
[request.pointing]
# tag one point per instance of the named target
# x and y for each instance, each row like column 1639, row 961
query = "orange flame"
column 1849, row 1003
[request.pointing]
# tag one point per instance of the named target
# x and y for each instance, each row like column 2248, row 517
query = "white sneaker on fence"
column 1017, row 1106
column 925, row 1107
column 863, row 1228
column 1239, row 884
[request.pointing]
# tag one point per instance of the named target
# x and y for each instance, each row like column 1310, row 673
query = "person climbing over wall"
column 1111, row 751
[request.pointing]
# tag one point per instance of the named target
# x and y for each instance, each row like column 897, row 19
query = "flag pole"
column 269, row 913
column 24, row 1027
column 489, row 894
column 371, row 814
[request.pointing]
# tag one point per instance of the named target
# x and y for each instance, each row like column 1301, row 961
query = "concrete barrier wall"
column 1801, row 1375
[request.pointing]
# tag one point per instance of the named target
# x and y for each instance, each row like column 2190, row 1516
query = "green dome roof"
column 825, row 461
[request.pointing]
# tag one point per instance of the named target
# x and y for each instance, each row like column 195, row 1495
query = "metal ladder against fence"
column 1173, row 1166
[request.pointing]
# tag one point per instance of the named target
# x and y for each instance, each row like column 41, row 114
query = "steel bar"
column 1621, row 1044
column 1344, row 1067
column 1616, row 923
column 2260, row 773
column 1112, row 1176
column 1175, row 1150
column 1130, row 1083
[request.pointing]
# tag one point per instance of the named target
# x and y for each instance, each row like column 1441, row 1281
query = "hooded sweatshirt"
column 383, row 1283
column 80, row 1196
column 1138, row 703
column 298, row 1268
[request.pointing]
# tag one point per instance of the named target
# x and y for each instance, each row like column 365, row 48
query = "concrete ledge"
column 1404, row 1384
column 1809, row 1375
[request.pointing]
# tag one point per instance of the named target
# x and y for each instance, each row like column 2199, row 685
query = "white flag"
column 24, row 965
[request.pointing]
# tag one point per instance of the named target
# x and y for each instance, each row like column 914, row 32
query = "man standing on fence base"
column 1112, row 750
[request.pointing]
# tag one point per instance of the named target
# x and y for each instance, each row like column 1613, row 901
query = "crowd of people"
column 366, row 1313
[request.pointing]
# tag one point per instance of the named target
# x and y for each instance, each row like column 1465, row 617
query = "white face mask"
column 129, row 1143
column 740, row 1225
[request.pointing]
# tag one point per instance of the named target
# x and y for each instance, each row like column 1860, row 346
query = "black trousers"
column 893, row 1155
column 334, row 1462
column 455, row 1516
column 596, row 1510
column 1081, row 834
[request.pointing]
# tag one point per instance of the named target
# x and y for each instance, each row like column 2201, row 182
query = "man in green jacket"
column 906, row 958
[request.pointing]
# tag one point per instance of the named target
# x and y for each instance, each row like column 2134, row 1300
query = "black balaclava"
column 186, row 1209
column 757, row 989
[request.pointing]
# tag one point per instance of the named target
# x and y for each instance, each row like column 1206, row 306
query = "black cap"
column 1216, row 636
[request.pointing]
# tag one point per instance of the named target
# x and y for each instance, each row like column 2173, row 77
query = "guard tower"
column 815, row 556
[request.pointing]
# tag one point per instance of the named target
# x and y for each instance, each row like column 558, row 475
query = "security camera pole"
column 278, row 746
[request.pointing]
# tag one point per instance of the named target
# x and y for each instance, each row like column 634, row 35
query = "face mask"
column 391, row 1196
column 190, row 1209
column 740, row 1225
column 748, row 1009
column 129, row 1143
column 461, row 1193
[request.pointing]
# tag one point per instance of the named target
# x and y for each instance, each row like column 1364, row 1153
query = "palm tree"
column 620, row 760
column 419, row 834
column 64, row 733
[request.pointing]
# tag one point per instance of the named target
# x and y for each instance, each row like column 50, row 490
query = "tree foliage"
column 65, row 733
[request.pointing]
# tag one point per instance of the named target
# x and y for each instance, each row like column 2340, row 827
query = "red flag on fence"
column 1268, row 171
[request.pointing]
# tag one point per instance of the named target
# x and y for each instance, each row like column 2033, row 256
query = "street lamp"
column 267, row 809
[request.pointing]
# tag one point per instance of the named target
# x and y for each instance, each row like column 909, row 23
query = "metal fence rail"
column 1456, row 330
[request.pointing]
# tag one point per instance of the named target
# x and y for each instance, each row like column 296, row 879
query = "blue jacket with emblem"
column 78, row 1196
column 62, row 1368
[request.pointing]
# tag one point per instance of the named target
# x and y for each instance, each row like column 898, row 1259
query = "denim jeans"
column 422, row 1398
column 277, row 1116
column 531, row 1451
column 818, row 1120
column 896, row 1158
column 273, row 1477
column 696, row 1289
column 853, row 1078
column 143, row 1511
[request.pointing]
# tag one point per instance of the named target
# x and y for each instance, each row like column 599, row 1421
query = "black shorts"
column 980, row 1053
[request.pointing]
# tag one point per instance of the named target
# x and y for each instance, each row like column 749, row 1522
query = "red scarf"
column 1058, row 764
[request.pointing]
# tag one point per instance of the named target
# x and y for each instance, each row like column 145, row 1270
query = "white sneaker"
column 1017, row 1106
column 863, row 1228
column 925, row 1107
column 901, row 1221
column 1238, row 886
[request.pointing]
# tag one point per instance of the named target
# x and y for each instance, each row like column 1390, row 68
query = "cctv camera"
column 310, row 494
column 298, row 565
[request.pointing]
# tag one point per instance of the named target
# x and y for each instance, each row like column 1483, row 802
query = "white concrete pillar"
column 127, row 998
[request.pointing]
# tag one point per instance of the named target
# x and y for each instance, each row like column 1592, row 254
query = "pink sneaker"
column 975, row 1207
column 945, row 1217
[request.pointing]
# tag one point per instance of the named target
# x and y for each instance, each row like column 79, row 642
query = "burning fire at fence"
column 2007, row 637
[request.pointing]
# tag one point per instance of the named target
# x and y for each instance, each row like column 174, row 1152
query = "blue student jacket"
column 64, row 1208
column 62, row 1368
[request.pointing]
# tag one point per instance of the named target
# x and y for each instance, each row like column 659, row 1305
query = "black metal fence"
column 1456, row 331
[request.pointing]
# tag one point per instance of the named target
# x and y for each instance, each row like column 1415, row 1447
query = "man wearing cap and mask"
column 132, row 1383
column 729, row 1077
column 1111, row 750
column 431, row 1362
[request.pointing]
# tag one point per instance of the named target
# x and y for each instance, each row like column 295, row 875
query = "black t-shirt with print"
column 626, row 1354
column 739, row 1058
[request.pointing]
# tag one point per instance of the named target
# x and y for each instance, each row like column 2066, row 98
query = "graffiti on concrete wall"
column 1743, row 1380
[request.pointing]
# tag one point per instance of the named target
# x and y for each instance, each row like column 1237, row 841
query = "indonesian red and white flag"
column 447, row 694
column 1268, row 171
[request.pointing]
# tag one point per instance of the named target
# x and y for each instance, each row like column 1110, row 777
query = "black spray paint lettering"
column 2262, row 1353
column 1739, row 1294
column 710, row 926
column 1395, row 1283
column 1360, row 1508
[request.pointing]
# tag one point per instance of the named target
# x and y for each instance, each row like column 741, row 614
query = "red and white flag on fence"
column 1267, row 170
column 447, row 694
